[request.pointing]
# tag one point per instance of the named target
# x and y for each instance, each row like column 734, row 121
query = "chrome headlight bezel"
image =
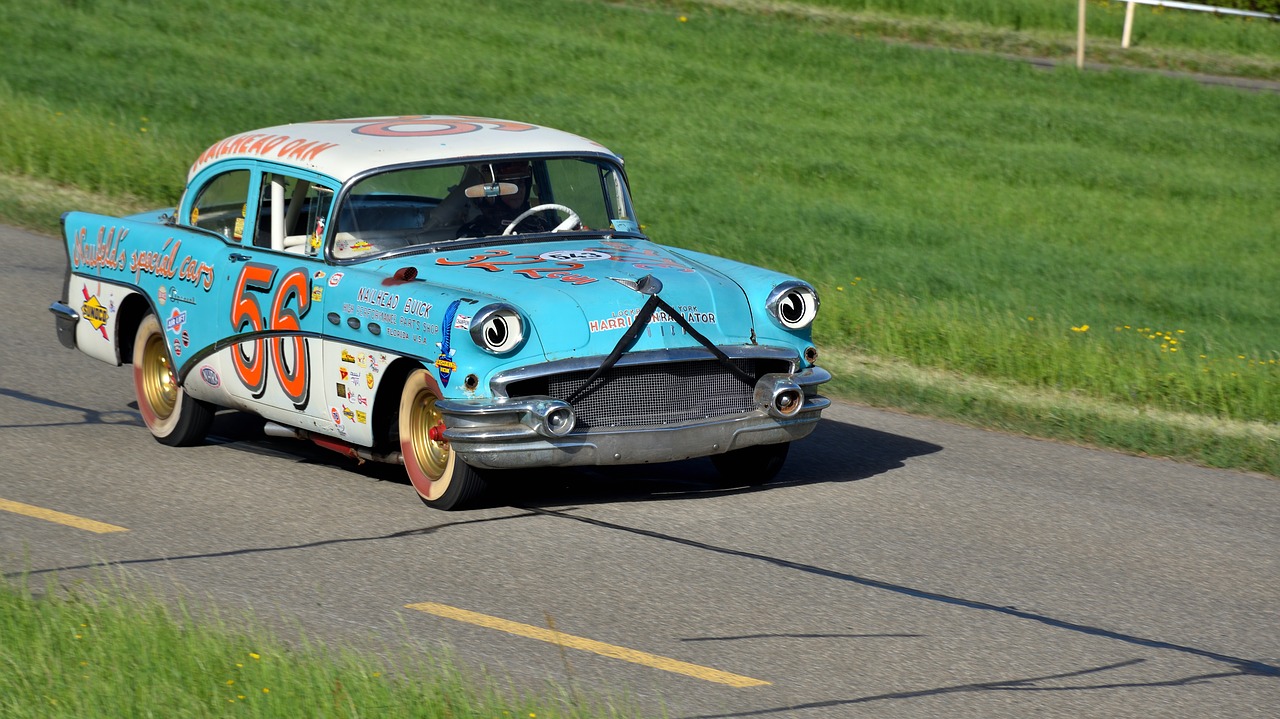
column 793, row 304
column 498, row 329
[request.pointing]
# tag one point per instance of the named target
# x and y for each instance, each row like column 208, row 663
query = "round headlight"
column 497, row 329
column 793, row 304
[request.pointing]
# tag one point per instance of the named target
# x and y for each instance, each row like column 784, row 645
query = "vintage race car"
column 456, row 294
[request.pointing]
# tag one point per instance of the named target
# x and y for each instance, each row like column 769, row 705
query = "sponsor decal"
column 642, row 258
column 347, row 356
column 575, row 255
column 444, row 363
column 531, row 266
column 162, row 295
column 319, row 275
column 210, row 376
column 284, row 147
column 94, row 313
column 368, row 380
column 175, row 296
column 334, row 279
column 348, row 413
column 317, row 236
column 362, row 417
column 317, row 293
column 462, row 322
column 625, row 318
column 341, row 390
column 176, row 319
column 177, row 348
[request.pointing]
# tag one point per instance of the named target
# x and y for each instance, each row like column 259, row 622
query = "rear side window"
column 221, row 206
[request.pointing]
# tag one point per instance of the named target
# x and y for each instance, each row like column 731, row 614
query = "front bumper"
column 529, row 431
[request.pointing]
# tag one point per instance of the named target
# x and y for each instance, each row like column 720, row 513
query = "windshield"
column 420, row 206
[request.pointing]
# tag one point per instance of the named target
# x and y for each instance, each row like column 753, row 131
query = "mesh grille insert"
column 656, row 394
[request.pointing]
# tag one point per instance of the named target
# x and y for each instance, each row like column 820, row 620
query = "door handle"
column 237, row 257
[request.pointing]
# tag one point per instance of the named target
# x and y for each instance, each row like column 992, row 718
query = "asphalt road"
column 898, row 567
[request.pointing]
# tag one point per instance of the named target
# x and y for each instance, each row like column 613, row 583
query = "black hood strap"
column 642, row 321
column 721, row 356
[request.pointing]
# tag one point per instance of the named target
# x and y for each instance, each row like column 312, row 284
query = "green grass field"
column 1097, row 237
column 93, row 654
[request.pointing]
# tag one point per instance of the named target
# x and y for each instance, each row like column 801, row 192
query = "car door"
column 272, row 301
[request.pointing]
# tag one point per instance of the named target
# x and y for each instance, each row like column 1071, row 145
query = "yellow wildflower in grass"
column 253, row 655
column 266, row 690
column 1081, row 328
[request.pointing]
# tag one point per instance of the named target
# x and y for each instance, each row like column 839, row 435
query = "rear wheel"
column 441, row 478
column 173, row 417
column 751, row 466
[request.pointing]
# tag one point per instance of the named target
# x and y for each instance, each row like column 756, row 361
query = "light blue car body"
column 320, row 342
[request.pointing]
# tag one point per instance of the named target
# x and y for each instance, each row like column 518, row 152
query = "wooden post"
column 1080, row 38
column 1128, row 25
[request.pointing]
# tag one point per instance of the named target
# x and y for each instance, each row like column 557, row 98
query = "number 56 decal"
column 286, row 350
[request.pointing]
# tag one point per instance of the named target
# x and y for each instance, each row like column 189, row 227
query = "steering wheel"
column 571, row 222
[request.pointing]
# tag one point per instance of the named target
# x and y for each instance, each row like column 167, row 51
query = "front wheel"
column 174, row 417
column 750, row 466
column 441, row 478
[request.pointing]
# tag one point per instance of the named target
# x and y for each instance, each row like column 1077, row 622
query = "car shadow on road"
column 835, row 452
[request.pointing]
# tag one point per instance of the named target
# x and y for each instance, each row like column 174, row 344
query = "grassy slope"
column 88, row 653
column 939, row 201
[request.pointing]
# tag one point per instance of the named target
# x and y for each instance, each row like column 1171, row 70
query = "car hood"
column 581, row 296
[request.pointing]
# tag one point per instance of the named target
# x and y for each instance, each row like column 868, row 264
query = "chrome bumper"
column 531, row 431
column 65, row 320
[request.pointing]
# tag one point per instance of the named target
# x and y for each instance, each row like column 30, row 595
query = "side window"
column 292, row 214
column 220, row 205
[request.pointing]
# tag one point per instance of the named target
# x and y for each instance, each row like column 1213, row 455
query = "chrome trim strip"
column 64, row 312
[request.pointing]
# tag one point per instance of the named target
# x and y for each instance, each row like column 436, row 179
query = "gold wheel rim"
column 431, row 454
column 159, row 385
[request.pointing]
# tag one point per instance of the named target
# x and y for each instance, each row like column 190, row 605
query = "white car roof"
column 344, row 148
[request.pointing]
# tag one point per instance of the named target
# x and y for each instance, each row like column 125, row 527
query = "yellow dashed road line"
column 587, row 645
column 49, row 515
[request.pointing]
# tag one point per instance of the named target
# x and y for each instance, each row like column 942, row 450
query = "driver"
column 497, row 209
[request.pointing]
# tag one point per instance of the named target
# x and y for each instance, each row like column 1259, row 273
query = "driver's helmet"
column 512, row 171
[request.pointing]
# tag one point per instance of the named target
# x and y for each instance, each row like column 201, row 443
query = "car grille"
column 655, row 394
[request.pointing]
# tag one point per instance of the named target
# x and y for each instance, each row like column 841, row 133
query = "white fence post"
column 1080, row 38
column 1128, row 24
